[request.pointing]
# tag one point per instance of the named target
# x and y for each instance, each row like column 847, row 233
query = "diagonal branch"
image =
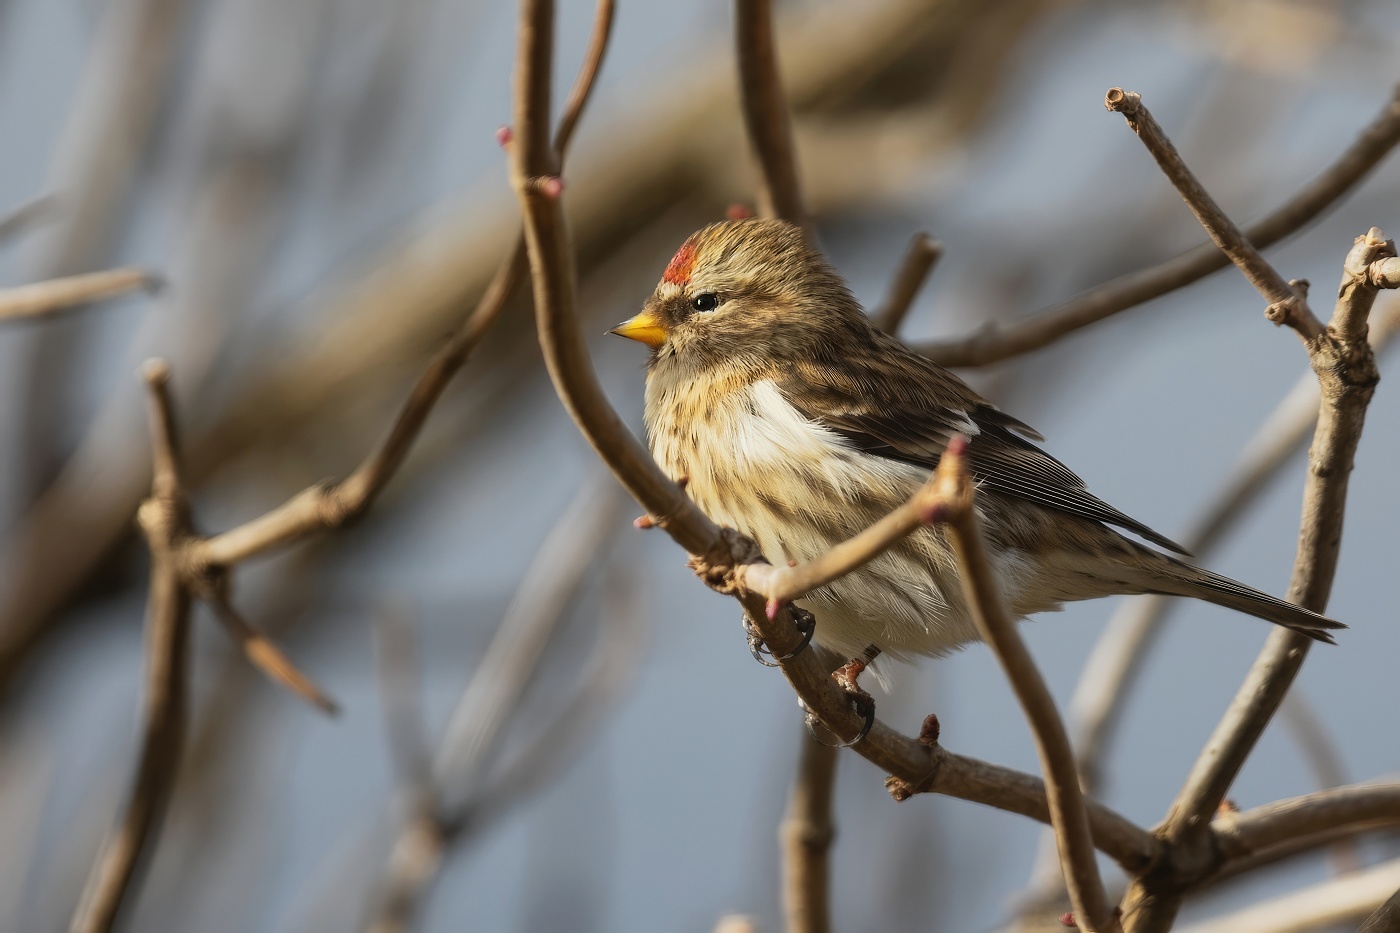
column 923, row 254
column 1287, row 305
column 162, row 518
column 52, row 295
column 998, row 342
column 328, row 506
column 981, row 590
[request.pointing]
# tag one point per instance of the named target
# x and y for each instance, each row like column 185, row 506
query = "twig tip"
column 1121, row 101
column 505, row 136
column 155, row 371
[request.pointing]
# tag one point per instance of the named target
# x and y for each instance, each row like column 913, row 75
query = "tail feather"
column 1188, row 580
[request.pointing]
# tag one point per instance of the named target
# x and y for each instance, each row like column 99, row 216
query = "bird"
column 787, row 415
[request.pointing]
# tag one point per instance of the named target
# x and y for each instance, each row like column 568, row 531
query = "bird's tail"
column 1186, row 580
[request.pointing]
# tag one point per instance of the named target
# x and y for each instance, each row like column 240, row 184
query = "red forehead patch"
column 678, row 271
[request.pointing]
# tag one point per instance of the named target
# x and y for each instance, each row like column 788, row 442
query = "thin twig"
column 1346, row 370
column 328, row 506
column 766, row 113
column 783, row 584
column 998, row 342
column 1287, row 305
column 923, row 254
column 1359, row 807
column 262, row 652
column 162, row 517
column 52, row 295
column 982, row 593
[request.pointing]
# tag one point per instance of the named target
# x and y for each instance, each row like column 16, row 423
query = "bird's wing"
column 903, row 407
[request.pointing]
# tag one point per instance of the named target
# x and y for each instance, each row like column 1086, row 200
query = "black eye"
column 706, row 302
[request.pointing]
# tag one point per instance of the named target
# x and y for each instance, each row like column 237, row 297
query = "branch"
column 262, row 652
column 1386, row 918
column 766, row 113
column 981, row 591
column 781, row 585
column 328, row 506
column 923, row 254
column 1287, row 305
column 1344, row 899
column 162, row 518
column 47, row 297
column 999, row 342
column 1357, row 808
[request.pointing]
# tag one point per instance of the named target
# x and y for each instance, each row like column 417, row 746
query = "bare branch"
column 262, row 652
column 1345, row 899
column 52, row 295
column 923, row 254
column 1358, row 808
column 766, row 113
column 782, row 585
column 1386, row 919
column 1346, row 370
column 806, row 835
column 999, row 342
column 330, row 506
column 1287, row 305
column 162, row 517
column 981, row 590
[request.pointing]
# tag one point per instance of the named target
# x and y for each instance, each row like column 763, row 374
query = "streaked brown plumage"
column 797, row 422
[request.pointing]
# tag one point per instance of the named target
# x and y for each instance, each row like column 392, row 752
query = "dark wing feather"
column 903, row 407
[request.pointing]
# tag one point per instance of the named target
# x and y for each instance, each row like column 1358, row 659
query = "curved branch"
column 1356, row 808
column 1068, row 814
column 999, row 342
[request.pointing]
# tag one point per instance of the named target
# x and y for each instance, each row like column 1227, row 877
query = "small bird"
column 790, row 417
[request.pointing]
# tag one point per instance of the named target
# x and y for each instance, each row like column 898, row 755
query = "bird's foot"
column 847, row 675
column 806, row 624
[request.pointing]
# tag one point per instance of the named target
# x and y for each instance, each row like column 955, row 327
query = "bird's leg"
column 806, row 624
column 847, row 676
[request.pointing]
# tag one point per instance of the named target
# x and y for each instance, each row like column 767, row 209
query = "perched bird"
column 792, row 419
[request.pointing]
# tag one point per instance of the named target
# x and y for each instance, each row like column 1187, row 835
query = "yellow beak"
column 644, row 328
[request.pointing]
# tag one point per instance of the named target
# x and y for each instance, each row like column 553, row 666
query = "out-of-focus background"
column 319, row 183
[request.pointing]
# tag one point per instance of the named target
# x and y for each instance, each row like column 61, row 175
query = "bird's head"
column 743, row 289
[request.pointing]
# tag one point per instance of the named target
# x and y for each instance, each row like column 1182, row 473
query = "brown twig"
column 806, row 836
column 262, row 652
column 1358, row 807
column 981, row 590
column 328, row 506
column 923, row 254
column 1287, row 304
column 162, row 518
column 766, row 113
column 52, row 295
column 1341, row 900
column 1345, row 366
column 999, row 342
column 914, row 766
column 783, row 584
